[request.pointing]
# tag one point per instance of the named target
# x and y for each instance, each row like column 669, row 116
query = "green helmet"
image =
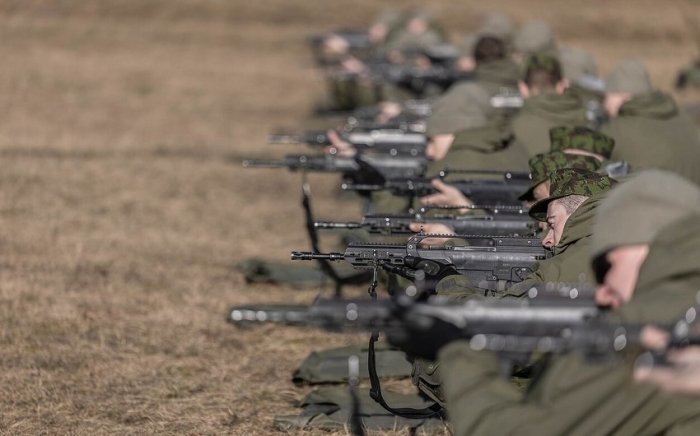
column 581, row 138
column 570, row 181
column 544, row 164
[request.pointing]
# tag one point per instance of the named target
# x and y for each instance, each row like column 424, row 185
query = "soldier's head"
column 544, row 164
column 582, row 141
column 489, row 48
column 628, row 221
column 543, row 73
column 569, row 189
column 629, row 79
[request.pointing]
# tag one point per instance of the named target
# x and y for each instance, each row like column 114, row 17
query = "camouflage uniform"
column 570, row 263
column 575, row 397
column 581, row 138
column 544, row 164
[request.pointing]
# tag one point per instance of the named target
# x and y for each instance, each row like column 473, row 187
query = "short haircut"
column 571, row 202
column 538, row 77
column 489, row 48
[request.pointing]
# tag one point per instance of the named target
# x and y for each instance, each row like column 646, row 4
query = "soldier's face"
column 556, row 220
column 621, row 277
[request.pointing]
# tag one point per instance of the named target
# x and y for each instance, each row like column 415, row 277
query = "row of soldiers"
column 612, row 180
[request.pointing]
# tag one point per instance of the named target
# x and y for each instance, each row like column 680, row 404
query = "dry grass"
column 122, row 216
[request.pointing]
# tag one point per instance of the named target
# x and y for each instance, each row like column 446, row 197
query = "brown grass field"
column 123, row 215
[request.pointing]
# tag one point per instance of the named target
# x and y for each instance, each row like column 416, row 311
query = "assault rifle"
column 510, row 223
column 394, row 142
column 491, row 264
column 511, row 327
column 483, row 190
column 362, row 168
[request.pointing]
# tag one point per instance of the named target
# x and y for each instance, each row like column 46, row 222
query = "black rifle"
column 363, row 168
column 482, row 190
column 495, row 263
column 498, row 224
column 545, row 325
column 394, row 142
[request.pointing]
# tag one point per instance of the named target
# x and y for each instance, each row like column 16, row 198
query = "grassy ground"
column 123, row 212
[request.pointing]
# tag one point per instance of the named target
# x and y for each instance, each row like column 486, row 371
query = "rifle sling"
column 375, row 390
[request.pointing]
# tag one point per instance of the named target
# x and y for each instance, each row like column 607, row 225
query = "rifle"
column 511, row 327
column 495, row 263
column 394, row 142
column 491, row 191
column 508, row 224
column 362, row 168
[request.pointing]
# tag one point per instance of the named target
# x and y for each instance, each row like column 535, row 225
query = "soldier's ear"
column 524, row 89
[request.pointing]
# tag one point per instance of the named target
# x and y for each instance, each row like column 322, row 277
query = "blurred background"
column 123, row 206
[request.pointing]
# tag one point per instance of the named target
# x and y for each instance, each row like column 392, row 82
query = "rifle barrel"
column 264, row 163
column 336, row 225
column 306, row 255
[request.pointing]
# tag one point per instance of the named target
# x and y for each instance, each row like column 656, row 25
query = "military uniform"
column 544, row 164
column 649, row 130
column 576, row 397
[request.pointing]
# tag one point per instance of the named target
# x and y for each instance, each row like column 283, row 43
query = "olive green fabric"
column 570, row 262
column 570, row 181
column 464, row 106
column 490, row 147
column 577, row 64
column 544, row 164
column 257, row 270
column 331, row 365
column 659, row 197
column 650, row 132
column 467, row 104
column 581, row 138
column 498, row 75
column 329, row 408
column 630, row 77
column 542, row 112
column 534, row 36
column 578, row 398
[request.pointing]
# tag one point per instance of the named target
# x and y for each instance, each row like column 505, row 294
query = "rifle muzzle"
column 335, row 225
column 306, row 255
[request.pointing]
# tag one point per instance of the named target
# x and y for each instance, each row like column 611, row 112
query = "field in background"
column 123, row 210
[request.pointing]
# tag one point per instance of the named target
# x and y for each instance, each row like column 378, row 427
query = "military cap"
column 534, row 36
column 629, row 76
column 545, row 60
column 544, row 164
column 638, row 209
column 581, row 138
column 570, row 181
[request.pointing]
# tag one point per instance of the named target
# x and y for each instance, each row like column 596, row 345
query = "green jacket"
column 542, row 112
column 574, row 397
column 485, row 148
column 570, row 263
column 467, row 102
column 650, row 132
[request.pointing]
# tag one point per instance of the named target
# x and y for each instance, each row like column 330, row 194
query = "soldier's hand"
column 339, row 146
column 682, row 376
column 432, row 228
column 446, row 196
